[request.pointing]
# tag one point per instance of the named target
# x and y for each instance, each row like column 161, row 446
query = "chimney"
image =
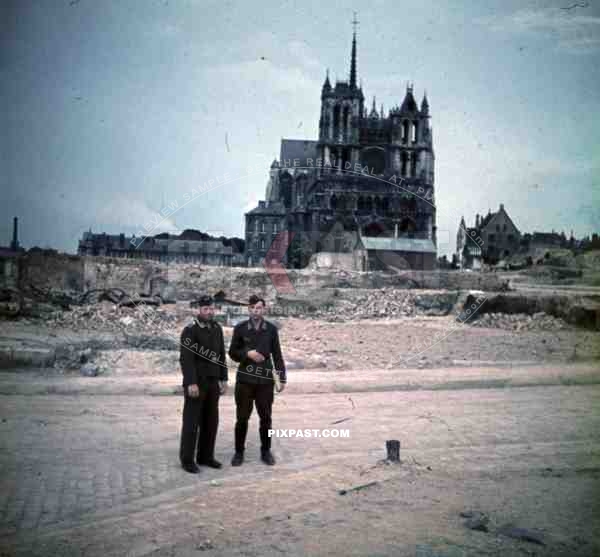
column 477, row 220
column 15, row 240
column 502, row 206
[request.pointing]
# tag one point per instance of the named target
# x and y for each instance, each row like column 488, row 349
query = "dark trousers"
column 200, row 414
column 245, row 396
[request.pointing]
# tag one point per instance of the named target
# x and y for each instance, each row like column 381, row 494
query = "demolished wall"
column 49, row 270
column 185, row 281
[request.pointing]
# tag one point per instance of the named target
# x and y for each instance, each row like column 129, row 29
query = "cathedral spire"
column 373, row 113
column 353, row 58
column 327, row 83
column 425, row 104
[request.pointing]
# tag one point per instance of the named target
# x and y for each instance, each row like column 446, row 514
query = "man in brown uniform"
column 204, row 368
column 253, row 344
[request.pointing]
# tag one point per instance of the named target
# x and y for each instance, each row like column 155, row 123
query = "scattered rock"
column 523, row 534
column 518, row 321
column 476, row 520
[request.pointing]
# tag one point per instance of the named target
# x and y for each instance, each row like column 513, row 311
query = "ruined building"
column 362, row 192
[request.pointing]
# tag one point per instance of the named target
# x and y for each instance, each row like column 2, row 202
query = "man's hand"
column 193, row 391
column 281, row 388
column 256, row 356
column 222, row 387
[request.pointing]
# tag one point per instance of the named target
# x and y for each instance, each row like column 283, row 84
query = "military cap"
column 204, row 300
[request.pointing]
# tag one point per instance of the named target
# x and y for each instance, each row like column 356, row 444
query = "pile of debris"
column 356, row 304
column 32, row 302
column 519, row 321
column 107, row 316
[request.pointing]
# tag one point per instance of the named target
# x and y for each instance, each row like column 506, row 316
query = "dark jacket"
column 202, row 352
column 266, row 341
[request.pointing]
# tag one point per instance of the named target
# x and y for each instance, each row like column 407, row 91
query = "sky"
column 116, row 109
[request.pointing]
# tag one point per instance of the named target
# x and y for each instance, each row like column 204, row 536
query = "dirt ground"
column 501, row 422
column 98, row 475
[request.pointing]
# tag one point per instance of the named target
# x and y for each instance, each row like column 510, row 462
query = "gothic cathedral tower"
column 341, row 112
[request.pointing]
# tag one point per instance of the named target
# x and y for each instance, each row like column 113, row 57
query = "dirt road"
column 97, row 474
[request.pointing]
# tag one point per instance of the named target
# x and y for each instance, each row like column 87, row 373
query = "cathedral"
column 362, row 195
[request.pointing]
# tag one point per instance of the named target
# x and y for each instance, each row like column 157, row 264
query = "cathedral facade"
column 364, row 188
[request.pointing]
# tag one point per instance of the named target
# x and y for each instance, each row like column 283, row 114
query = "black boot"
column 190, row 467
column 267, row 457
column 211, row 463
column 238, row 459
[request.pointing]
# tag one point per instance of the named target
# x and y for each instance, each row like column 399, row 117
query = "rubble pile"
column 519, row 321
column 348, row 305
column 32, row 302
column 106, row 316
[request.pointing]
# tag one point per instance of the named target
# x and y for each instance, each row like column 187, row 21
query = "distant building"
column 366, row 184
column 8, row 258
column 538, row 243
column 494, row 237
column 190, row 246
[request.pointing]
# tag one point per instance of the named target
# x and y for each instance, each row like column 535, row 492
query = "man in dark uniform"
column 255, row 345
column 204, row 368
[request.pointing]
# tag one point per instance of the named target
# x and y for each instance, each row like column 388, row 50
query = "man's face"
column 207, row 312
column 257, row 310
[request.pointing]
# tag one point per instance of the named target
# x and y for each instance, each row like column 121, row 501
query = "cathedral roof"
column 300, row 149
column 379, row 243
column 271, row 208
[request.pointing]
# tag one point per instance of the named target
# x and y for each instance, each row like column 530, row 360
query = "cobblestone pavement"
column 98, row 474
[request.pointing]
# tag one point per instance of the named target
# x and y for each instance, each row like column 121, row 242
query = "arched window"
column 336, row 121
column 405, row 131
column 404, row 163
column 346, row 123
column 345, row 159
column 286, row 189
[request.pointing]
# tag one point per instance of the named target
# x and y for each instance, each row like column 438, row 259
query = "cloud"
column 269, row 61
column 265, row 76
column 135, row 212
column 574, row 31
